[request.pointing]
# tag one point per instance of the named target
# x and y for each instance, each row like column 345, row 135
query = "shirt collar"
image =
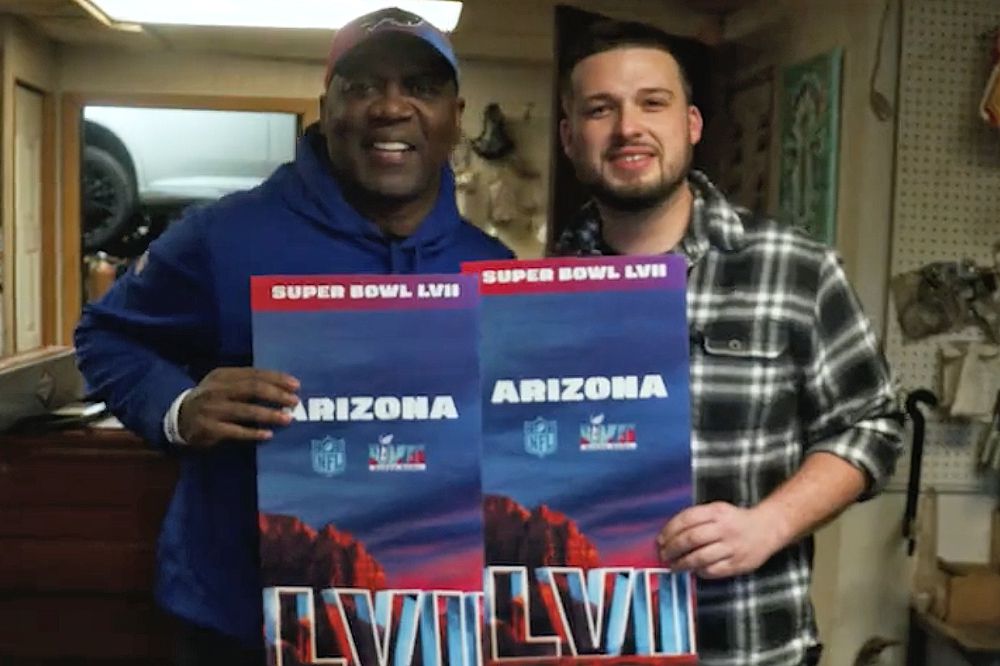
column 715, row 223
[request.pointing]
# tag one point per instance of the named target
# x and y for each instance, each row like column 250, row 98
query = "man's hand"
column 719, row 540
column 227, row 405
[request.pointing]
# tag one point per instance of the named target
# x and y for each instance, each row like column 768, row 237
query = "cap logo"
column 399, row 21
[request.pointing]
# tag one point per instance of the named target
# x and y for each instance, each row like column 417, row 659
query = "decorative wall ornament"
column 810, row 144
column 493, row 142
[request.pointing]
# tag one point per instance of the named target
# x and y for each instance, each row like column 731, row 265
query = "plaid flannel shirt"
column 784, row 363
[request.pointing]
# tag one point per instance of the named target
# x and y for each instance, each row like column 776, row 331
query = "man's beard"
column 632, row 199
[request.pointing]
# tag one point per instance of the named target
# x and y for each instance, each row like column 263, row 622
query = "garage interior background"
column 54, row 57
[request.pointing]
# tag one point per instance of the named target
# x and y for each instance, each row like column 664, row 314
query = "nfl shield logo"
column 540, row 437
column 329, row 456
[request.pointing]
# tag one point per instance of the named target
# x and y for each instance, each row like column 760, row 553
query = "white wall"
column 86, row 70
column 104, row 70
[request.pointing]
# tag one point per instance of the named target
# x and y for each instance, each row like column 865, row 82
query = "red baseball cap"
column 383, row 21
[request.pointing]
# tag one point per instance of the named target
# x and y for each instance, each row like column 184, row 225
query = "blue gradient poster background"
column 376, row 485
column 576, row 473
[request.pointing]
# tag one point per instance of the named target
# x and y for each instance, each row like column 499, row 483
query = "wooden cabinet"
column 79, row 516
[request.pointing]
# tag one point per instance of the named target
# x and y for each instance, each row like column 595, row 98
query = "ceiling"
column 716, row 6
column 488, row 28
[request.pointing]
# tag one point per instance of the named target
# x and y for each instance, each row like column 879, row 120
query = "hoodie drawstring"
column 396, row 258
column 404, row 259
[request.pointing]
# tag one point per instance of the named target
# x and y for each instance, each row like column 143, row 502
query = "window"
column 143, row 160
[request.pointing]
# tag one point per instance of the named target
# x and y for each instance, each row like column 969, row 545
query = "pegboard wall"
column 947, row 195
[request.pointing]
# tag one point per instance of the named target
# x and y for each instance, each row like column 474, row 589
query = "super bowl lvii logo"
column 596, row 435
column 386, row 456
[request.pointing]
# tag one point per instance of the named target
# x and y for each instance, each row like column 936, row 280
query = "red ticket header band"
column 573, row 274
column 299, row 293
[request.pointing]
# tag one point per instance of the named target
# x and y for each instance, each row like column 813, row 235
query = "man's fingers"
column 280, row 379
column 264, row 390
column 235, row 375
column 706, row 556
column 724, row 568
column 242, row 412
column 221, row 431
column 689, row 541
column 685, row 520
column 225, row 405
column 254, row 384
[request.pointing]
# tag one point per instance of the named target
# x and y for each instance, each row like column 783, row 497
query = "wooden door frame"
column 50, row 281
column 47, row 213
column 73, row 103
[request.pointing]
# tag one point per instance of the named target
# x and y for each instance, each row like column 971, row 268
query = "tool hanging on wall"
column 947, row 296
column 913, row 402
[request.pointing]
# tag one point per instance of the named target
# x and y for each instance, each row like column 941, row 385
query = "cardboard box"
column 972, row 593
column 952, row 593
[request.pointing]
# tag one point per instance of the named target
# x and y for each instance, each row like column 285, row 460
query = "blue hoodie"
column 185, row 309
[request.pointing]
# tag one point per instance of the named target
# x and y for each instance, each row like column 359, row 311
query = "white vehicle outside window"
column 137, row 158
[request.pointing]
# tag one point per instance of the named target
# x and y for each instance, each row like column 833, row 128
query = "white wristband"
column 170, row 427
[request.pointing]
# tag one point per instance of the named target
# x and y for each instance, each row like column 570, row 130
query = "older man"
column 169, row 348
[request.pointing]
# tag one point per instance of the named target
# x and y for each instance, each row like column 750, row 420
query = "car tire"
column 108, row 198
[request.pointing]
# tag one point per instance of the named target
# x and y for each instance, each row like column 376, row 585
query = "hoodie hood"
column 310, row 188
